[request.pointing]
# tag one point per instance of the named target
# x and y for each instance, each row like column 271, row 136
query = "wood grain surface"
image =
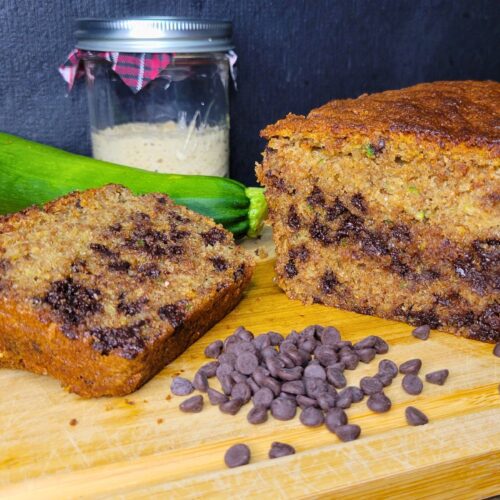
column 143, row 446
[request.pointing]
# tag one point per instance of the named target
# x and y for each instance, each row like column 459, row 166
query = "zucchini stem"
column 257, row 211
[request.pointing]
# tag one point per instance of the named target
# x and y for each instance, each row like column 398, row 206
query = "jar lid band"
column 154, row 35
column 136, row 70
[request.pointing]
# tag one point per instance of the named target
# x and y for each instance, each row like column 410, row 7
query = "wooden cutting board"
column 143, row 446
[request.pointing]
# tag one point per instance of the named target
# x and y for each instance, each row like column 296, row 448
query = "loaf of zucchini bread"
column 101, row 289
column 388, row 205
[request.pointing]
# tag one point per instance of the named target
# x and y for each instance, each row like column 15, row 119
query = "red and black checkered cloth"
column 136, row 70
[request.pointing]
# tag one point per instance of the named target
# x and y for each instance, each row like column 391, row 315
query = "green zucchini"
column 33, row 173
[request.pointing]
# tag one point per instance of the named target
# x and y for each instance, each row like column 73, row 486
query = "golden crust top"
column 445, row 113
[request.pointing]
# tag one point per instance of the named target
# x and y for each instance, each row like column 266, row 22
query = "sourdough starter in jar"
column 165, row 147
column 158, row 92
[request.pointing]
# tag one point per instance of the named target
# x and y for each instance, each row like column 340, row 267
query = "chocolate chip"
column 415, row 417
column 274, row 365
column 181, row 386
column 273, row 384
column 237, row 455
column 226, row 383
column 314, row 386
column 338, row 366
column 290, row 269
column 290, row 373
column 243, row 347
column 326, row 401
column 126, row 340
column 260, row 374
column 379, row 403
column 213, row 236
column 336, row 377
column 216, row 397
column 214, row 349
column 312, row 417
column 345, row 350
column 220, row 264
column 357, row 394
column 275, row 338
column 306, row 402
column 438, row 377
column 242, row 391
column 348, row 432
column 335, row 211
column 388, row 366
column 246, row 363
column 330, row 336
column 381, row 346
column 283, row 409
column 231, row 407
column 315, row 371
column 308, row 345
column 73, row 301
column 366, row 355
column 367, row 342
column 294, row 387
column 224, row 369
column 326, row 355
column 287, row 361
column 312, row 331
column 344, row 399
column 370, row 385
column 358, row 201
column 422, row 332
column 385, row 378
column 257, row 415
column 291, row 397
column 343, row 343
column 210, row 368
column 350, row 361
column 194, row 404
column 238, row 377
column 293, row 220
column 496, row 350
column 262, row 341
column 175, row 314
column 227, row 358
column 316, row 197
column 412, row 384
column 299, row 356
column 263, row 397
column 243, row 334
column 280, row 450
column 200, row 381
column 412, row 366
column 328, row 281
column 335, row 417
column 253, row 385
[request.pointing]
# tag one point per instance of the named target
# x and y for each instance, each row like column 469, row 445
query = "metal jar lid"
column 154, row 34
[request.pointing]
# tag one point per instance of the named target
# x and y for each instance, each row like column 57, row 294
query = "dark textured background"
column 294, row 55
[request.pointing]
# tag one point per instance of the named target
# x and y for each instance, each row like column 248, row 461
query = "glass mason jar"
column 179, row 121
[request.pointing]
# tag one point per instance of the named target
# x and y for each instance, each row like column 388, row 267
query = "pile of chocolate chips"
column 304, row 370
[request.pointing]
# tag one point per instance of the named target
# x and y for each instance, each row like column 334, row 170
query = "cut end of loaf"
column 387, row 225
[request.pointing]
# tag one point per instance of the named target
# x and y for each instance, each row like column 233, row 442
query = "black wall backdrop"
column 293, row 55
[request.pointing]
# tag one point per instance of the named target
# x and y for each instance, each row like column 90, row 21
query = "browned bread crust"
column 389, row 205
column 443, row 113
column 102, row 289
